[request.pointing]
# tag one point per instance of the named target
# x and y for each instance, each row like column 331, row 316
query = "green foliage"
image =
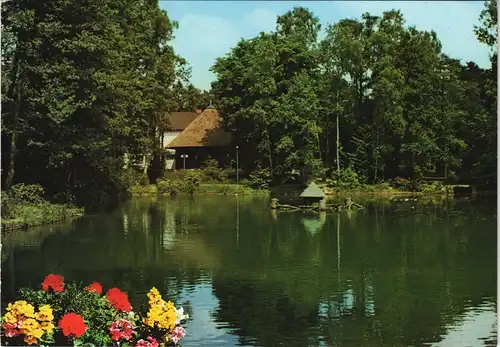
column 213, row 172
column 433, row 188
column 401, row 106
column 7, row 206
column 346, row 179
column 79, row 97
column 192, row 181
column 401, row 183
column 29, row 193
column 229, row 189
column 260, row 178
column 147, row 190
column 81, row 94
column 171, row 187
column 23, row 205
column 132, row 177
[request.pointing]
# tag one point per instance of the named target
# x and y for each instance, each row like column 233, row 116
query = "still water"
column 393, row 274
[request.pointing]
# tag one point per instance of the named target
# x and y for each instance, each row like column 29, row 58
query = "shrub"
column 213, row 172
column 192, row 180
column 67, row 314
column 260, row 178
column 171, row 187
column 400, row 183
column 345, row 179
column 132, row 177
column 433, row 188
column 30, row 193
column 414, row 186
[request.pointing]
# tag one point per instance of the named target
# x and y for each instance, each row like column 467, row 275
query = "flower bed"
column 67, row 314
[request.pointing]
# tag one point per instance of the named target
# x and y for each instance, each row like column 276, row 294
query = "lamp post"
column 237, row 166
column 184, row 156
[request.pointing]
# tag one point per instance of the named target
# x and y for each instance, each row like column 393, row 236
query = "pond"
column 392, row 274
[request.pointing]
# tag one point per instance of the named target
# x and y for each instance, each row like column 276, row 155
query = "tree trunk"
column 376, row 159
column 13, row 140
column 327, row 142
column 338, row 144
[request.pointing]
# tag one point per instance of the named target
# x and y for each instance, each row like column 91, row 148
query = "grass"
column 228, row 189
column 203, row 189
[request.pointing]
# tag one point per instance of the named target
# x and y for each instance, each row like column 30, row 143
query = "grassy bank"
column 202, row 189
column 23, row 206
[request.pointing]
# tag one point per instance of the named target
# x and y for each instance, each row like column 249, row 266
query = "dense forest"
column 85, row 82
column 373, row 97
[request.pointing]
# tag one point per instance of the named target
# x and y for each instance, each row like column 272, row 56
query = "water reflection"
column 314, row 225
column 386, row 275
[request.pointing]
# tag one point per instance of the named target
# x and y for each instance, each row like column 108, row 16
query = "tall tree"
column 94, row 73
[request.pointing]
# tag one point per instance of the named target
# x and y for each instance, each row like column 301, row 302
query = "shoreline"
column 9, row 225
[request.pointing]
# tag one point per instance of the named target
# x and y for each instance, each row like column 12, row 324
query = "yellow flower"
column 36, row 333
column 47, row 326
column 45, row 313
column 29, row 326
column 9, row 318
column 26, row 309
column 161, row 313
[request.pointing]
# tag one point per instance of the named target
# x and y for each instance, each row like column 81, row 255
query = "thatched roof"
column 180, row 120
column 312, row 191
column 204, row 131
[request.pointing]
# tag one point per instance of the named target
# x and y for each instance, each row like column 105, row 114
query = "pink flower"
column 11, row 329
column 150, row 343
column 177, row 334
column 121, row 329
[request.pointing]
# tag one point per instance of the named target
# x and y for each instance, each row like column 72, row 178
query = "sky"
column 209, row 29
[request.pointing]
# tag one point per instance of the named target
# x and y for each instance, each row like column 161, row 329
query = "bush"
column 433, row 188
column 30, row 193
column 132, row 177
column 171, row 187
column 192, row 180
column 414, row 186
column 260, row 178
column 69, row 314
column 7, row 206
column 213, row 172
column 345, row 179
column 401, row 183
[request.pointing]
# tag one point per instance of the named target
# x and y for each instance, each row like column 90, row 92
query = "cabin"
column 177, row 122
column 312, row 194
column 202, row 139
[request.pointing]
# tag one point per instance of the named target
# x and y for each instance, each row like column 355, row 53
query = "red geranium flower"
column 72, row 325
column 118, row 299
column 94, row 287
column 56, row 282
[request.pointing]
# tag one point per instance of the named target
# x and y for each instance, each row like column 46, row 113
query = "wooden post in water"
column 348, row 202
column 322, row 204
column 274, row 203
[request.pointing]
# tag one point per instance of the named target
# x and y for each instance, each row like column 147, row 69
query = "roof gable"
column 312, row 191
column 204, row 131
column 181, row 120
